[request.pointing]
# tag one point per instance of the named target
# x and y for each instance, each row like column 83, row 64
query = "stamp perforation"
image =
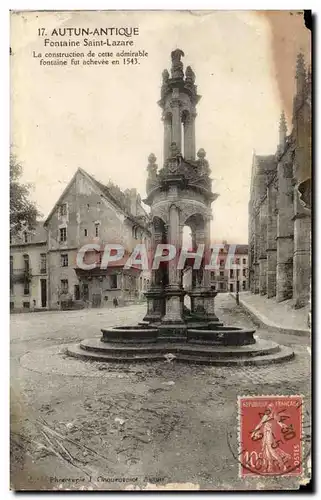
column 240, row 434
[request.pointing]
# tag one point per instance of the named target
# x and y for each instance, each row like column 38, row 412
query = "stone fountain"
column 180, row 194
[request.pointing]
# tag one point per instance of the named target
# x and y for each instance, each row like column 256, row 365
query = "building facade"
column 28, row 270
column 44, row 269
column 231, row 271
column 279, row 207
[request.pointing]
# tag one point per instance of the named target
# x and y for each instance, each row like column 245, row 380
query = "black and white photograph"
column 160, row 250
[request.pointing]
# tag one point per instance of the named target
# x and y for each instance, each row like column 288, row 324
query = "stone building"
column 28, row 270
column 232, row 267
column 87, row 212
column 279, row 207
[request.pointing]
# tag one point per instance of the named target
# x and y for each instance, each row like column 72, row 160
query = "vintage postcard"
column 160, row 250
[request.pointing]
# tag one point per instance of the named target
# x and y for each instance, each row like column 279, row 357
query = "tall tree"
column 23, row 211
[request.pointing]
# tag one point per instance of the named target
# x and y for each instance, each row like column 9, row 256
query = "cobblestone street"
column 88, row 425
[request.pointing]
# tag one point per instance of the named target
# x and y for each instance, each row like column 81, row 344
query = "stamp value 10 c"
column 270, row 435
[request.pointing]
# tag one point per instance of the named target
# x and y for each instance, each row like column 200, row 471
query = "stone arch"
column 161, row 212
column 195, row 221
column 158, row 224
column 189, row 210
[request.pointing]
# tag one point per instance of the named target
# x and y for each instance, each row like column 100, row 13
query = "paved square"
column 87, row 425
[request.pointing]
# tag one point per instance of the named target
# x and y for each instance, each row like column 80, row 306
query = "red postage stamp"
column 270, row 435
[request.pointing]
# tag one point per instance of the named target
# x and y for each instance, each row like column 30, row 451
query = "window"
column 63, row 234
column 96, row 230
column 222, row 274
column 244, row 261
column 26, row 305
column 231, row 273
column 238, row 273
column 221, row 263
column 237, row 261
column 231, row 287
column 63, row 209
column 244, row 285
column 86, row 232
column 64, row 260
column 113, row 281
column 244, row 272
column 212, row 276
column 26, row 263
column 25, row 237
column 43, row 263
column 64, row 286
column 221, row 286
column 26, row 288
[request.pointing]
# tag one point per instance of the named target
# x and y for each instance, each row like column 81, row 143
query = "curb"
column 263, row 322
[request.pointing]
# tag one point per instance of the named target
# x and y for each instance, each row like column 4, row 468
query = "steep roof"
column 36, row 235
column 102, row 189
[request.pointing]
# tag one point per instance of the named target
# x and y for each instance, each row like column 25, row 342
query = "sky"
column 106, row 120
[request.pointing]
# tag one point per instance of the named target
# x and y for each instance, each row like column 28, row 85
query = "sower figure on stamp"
column 272, row 454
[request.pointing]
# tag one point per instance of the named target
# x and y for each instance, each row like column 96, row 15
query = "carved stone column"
column 262, row 251
column 173, row 290
column 189, row 137
column 284, row 268
column 256, row 270
column 271, row 241
column 167, row 119
column 155, row 293
column 176, row 123
column 196, row 294
column 209, row 293
column 301, row 256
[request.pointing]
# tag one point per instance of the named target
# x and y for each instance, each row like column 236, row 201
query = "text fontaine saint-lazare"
column 126, row 32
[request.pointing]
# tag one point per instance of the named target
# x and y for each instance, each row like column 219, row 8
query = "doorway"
column 43, row 288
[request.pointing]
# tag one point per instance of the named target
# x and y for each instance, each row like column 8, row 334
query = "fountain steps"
column 261, row 353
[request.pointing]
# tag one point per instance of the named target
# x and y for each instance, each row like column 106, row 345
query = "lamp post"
column 237, row 292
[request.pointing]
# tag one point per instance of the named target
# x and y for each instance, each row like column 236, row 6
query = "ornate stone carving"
column 165, row 79
column 189, row 75
column 165, row 76
column 161, row 211
column 151, row 171
column 177, row 65
column 202, row 162
column 189, row 208
column 174, row 150
column 152, row 166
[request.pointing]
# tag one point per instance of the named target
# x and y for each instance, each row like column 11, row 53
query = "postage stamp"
column 270, row 435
